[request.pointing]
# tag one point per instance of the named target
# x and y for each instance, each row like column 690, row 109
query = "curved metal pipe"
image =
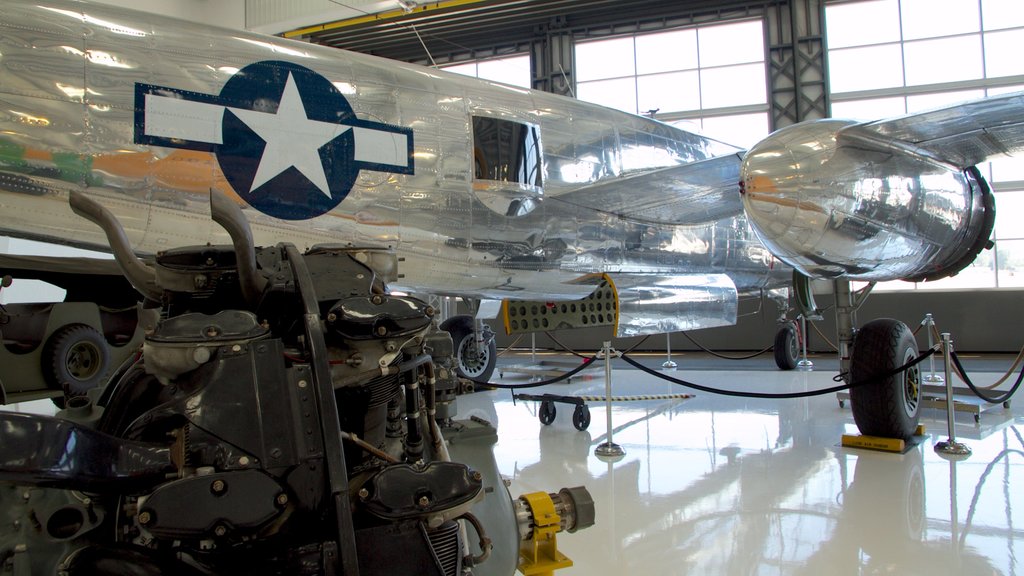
column 230, row 217
column 139, row 275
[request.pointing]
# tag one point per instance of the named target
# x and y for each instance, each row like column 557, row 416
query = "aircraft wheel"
column 787, row 347
column 76, row 359
column 889, row 407
column 581, row 417
column 471, row 362
column 547, row 412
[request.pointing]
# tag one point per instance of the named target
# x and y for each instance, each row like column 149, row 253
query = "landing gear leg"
column 847, row 304
column 888, row 407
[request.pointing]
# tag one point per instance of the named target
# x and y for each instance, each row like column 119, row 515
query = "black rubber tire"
column 479, row 368
column 787, row 347
column 581, row 417
column 547, row 412
column 890, row 407
column 76, row 359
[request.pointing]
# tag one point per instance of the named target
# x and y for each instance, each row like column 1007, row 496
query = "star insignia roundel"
column 285, row 138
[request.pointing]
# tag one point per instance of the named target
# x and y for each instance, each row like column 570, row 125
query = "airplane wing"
column 85, row 279
column 963, row 135
column 689, row 194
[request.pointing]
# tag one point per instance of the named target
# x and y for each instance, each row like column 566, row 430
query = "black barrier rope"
column 723, row 356
column 978, row 392
column 785, row 395
column 587, row 362
column 578, row 355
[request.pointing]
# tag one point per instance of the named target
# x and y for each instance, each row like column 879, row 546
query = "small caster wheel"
column 1006, row 404
column 581, row 417
column 842, row 403
column 977, row 418
column 547, row 412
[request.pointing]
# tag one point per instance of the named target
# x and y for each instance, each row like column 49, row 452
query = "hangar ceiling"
column 456, row 30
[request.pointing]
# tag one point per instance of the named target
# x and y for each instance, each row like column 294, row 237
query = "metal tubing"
column 804, row 363
column 609, row 450
column 950, row 449
column 230, row 217
column 929, row 324
column 608, row 386
column 947, row 351
column 668, row 364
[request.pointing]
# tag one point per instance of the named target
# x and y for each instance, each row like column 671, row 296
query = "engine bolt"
column 145, row 518
column 282, row 499
column 220, row 530
column 377, row 299
column 478, row 477
column 423, row 501
column 218, row 486
column 364, row 493
column 382, row 331
column 332, row 317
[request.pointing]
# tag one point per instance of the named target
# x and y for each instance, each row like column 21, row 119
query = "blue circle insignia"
column 292, row 193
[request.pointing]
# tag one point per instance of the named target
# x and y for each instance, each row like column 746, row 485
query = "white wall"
column 227, row 13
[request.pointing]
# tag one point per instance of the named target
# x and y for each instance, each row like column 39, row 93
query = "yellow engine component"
column 540, row 517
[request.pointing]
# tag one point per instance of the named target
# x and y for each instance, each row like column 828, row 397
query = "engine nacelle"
column 833, row 202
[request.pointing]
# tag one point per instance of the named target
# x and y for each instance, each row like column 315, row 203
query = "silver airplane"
column 144, row 135
column 483, row 191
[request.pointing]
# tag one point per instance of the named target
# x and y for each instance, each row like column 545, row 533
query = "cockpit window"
column 506, row 151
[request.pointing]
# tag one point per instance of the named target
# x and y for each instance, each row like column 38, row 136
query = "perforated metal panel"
column 600, row 308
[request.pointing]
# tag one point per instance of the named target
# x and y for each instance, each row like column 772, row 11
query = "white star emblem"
column 292, row 139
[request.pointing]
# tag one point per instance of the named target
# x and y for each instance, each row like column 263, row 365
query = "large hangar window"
column 514, row 70
column 705, row 78
column 506, row 151
column 893, row 57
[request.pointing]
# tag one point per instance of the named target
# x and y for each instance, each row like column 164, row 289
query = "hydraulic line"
column 823, row 337
column 510, row 346
column 485, row 541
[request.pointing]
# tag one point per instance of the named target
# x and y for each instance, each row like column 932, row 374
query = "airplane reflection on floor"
column 719, row 485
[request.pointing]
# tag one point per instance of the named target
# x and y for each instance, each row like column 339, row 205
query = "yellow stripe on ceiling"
column 389, row 15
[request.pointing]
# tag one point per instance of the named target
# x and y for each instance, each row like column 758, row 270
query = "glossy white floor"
column 721, row 485
column 716, row 485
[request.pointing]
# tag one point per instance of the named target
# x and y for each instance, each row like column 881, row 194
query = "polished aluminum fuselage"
column 70, row 74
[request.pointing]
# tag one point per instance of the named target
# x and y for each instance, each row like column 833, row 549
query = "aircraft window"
column 506, row 151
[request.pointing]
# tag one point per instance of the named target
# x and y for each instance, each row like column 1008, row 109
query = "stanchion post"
column 804, row 363
column 668, row 364
column 929, row 326
column 950, row 448
column 608, row 451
